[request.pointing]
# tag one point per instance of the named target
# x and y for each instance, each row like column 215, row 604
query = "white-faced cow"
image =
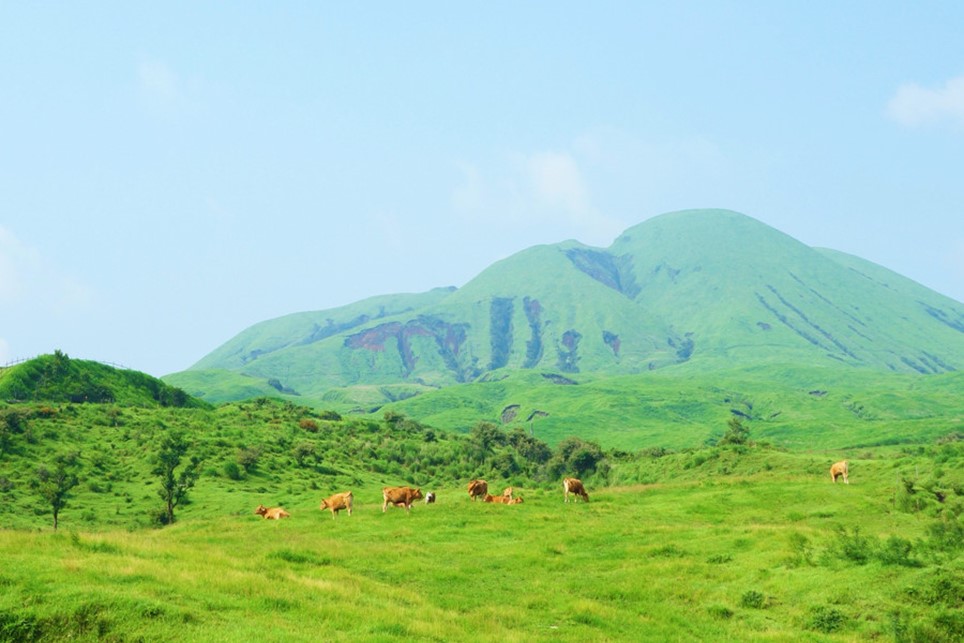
column 838, row 469
column 574, row 486
column 429, row 497
column 274, row 513
column 338, row 502
column 478, row 489
column 400, row 497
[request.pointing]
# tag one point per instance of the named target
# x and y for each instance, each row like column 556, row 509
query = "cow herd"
column 406, row 496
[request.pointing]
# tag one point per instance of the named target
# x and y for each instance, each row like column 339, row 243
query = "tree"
column 577, row 457
column 174, row 485
column 736, row 433
column 484, row 437
column 55, row 485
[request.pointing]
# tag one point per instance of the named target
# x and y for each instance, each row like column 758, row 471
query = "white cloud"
column 914, row 105
column 158, row 84
column 556, row 183
column 29, row 281
column 534, row 189
column 469, row 194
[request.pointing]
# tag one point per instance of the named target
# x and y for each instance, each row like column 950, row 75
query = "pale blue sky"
column 172, row 173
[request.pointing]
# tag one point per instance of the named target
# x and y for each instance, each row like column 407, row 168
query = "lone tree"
column 736, row 433
column 55, row 485
column 175, row 485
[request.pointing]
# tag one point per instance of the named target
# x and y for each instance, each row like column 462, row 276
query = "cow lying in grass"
column 505, row 499
column 838, row 469
column 274, row 513
column 338, row 502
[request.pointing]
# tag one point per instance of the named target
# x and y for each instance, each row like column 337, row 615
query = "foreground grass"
column 747, row 559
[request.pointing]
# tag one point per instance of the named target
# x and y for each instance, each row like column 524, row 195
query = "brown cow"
column 478, row 489
column 338, row 502
column 400, row 497
column 275, row 513
column 838, row 469
column 503, row 500
column 574, row 486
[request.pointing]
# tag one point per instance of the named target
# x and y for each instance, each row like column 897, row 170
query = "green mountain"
column 57, row 378
column 709, row 286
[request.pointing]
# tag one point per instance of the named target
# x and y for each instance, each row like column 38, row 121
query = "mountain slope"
column 711, row 289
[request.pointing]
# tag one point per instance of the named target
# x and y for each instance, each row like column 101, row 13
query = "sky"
column 173, row 173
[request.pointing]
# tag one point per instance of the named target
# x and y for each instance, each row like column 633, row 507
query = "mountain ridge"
column 714, row 286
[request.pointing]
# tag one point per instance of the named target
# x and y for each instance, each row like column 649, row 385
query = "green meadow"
column 713, row 526
column 740, row 558
column 726, row 543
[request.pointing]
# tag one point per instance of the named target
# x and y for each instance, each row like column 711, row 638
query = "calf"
column 574, row 486
column 400, row 497
column 338, row 502
column 429, row 497
column 478, row 489
column 838, row 469
column 274, row 513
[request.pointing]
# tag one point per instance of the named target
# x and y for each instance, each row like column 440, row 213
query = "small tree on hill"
column 175, row 485
column 736, row 433
column 54, row 485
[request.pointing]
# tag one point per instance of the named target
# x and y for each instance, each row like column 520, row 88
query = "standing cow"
column 338, row 502
column 838, row 469
column 574, row 486
column 400, row 497
column 478, row 489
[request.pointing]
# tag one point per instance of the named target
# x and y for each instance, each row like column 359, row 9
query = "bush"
column 826, row 619
column 233, row 471
column 896, row 551
column 248, row 458
column 753, row 599
column 852, row 546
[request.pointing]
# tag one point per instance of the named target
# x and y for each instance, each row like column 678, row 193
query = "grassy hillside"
column 802, row 408
column 57, row 378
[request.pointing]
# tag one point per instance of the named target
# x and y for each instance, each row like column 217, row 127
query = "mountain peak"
column 711, row 287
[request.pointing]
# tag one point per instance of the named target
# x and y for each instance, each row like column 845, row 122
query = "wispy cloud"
column 556, row 183
column 28, row 279
column 159, row 86
column 914, row 105
column 534, row 189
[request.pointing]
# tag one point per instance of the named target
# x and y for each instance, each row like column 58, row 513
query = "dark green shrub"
column 852, row 546
column 897, row 551
column 826, row 619
column 753, row 599
column 719, row 559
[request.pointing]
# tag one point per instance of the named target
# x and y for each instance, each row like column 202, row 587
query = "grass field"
column 776, row 554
